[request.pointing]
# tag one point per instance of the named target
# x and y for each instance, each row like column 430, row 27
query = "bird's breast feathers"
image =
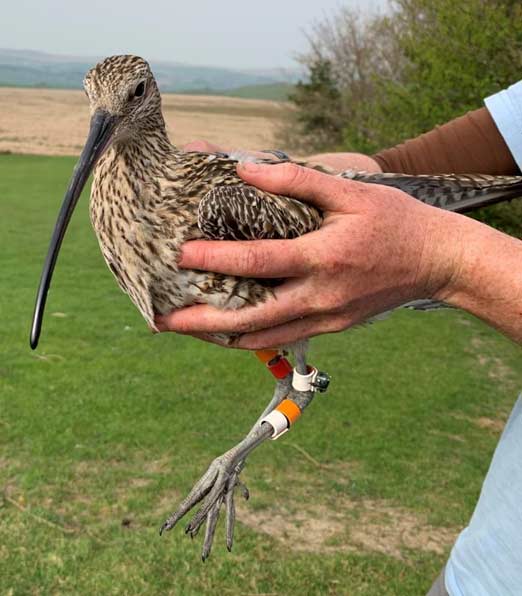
column 142, row 220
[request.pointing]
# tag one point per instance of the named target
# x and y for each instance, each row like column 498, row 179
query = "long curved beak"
column 100, row 133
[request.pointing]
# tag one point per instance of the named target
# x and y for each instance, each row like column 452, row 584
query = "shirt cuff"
column 505, row 108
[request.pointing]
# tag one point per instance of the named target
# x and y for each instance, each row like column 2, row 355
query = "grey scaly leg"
column 226, row 480
column 221, row 478
column 218, row 484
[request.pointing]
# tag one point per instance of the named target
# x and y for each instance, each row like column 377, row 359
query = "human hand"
column 207, row 147
column 336, row 162
column 377, row 248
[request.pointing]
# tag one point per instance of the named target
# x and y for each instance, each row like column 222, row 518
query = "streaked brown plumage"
column 148, row 198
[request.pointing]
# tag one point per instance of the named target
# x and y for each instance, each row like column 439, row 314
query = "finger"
column 253, row 258
column 203, row 147
column 217, row 341
column 290, row 302
column 326, row 192
column 291, row 332
column 212, row 339
column 230, row 343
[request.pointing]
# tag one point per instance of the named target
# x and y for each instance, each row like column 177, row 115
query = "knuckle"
column 180, row 325
column 205, row 257
column 295, row 175
column 334, row 264
column 356, row 192
column 245, row 326
column 309, row 305
column 326, row 301
column 337, row 300
column 308, row 255
column 255, row 260
column 337, row 324
column 318, row 304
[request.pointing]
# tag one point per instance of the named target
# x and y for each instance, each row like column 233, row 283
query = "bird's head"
column 123, row 92
column 125, row 102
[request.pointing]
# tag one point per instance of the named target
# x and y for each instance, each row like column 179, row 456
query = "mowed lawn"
column 106, row 427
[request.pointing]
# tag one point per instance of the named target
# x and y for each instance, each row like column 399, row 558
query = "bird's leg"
column 218, row 483
column 282, row 389
column 300, row 349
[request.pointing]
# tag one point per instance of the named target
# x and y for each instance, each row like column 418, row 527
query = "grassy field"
column 106, row 427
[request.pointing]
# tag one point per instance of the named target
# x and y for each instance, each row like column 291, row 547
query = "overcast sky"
column 232, row 33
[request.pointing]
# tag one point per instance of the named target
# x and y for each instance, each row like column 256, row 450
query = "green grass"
column 106, row 423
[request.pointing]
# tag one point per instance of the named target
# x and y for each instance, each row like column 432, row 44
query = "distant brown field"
column 55, row 122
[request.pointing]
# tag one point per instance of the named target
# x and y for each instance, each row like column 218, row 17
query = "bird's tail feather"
column 453, row 192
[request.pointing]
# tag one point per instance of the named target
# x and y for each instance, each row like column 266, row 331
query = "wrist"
column 485, row 273
column 442, row 257
column 489, row 261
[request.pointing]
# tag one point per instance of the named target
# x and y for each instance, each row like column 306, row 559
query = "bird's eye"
column 139, row 91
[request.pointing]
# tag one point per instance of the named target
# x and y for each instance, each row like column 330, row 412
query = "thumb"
column 327, row 192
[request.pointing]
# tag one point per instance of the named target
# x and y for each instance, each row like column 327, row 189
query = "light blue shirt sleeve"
column 486, row 559
column 505, row 108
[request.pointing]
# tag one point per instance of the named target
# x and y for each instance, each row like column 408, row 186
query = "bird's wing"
column 241, row 212
column 453, row 192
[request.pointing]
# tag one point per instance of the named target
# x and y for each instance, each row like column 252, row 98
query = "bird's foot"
column 218, row 484
column 215, row 488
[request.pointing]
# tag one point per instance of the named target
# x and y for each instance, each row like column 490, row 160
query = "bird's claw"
column 215, row 488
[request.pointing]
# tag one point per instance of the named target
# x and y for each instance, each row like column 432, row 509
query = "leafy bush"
column 377, row 81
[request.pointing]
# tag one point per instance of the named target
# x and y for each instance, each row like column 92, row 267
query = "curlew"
column 148, row 198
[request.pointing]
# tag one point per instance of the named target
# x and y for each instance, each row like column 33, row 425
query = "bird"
column 148, row 197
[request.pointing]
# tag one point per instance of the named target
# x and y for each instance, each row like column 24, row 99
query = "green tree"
column 318, row 102
column 456, row 53
column 393, row 77
column 347, row 56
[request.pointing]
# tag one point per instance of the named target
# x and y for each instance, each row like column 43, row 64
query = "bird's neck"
column 149, row 140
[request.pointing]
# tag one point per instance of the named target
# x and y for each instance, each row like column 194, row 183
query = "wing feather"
column 453, row 192
column 241, row 212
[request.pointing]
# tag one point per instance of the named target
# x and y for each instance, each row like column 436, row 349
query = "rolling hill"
column 26, row 68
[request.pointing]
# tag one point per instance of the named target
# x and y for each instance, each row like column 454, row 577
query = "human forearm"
column 469, row 144
column 486, row 276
